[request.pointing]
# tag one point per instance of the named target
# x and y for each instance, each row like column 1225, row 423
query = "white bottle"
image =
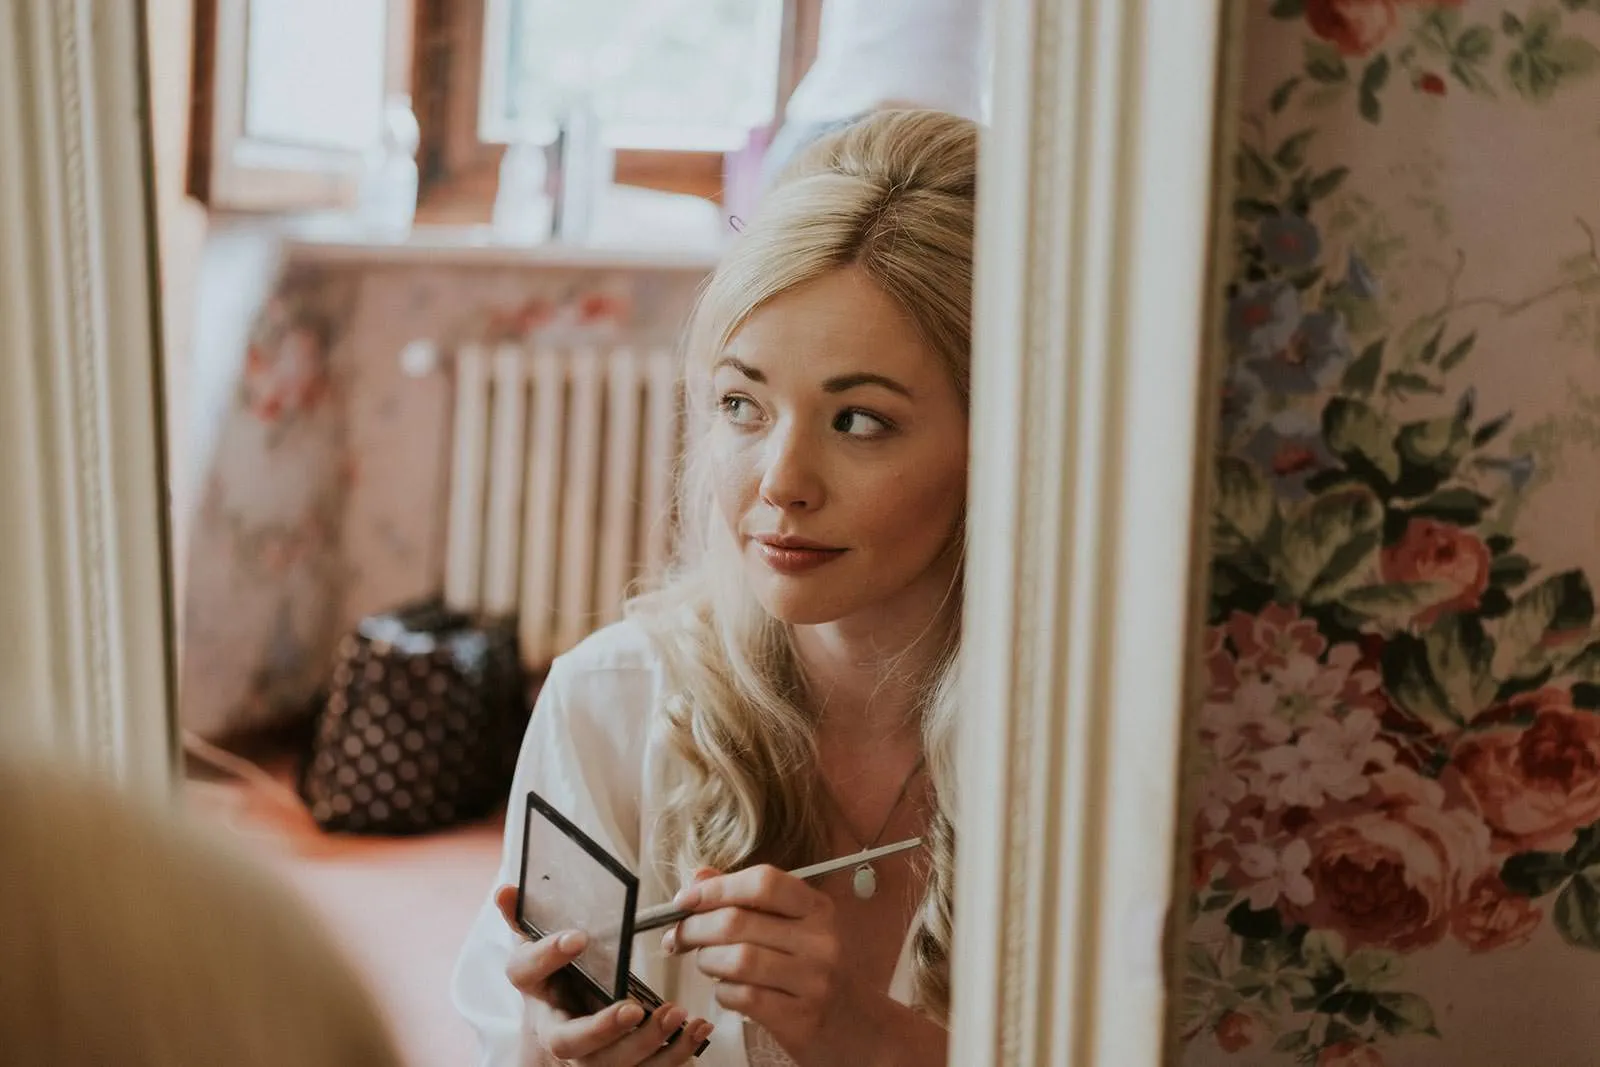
column 387, row 202
column 522, row 206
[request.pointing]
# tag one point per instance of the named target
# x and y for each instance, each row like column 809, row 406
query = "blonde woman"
column 128, row 939
column 787, row 696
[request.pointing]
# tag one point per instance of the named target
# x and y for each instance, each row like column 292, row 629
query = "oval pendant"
column 864, row 882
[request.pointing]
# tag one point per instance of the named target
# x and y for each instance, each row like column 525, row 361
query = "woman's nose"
column 790, row 480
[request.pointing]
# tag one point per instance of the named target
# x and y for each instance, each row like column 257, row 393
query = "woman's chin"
column 803, row 601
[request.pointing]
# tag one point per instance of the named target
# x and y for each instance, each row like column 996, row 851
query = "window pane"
column 664, row 73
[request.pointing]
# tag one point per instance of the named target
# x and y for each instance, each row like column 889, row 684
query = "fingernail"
column 572, row 941
column 669, row 942
column 687, row 897
column 630, row 1014
column 674, row 1018
column 703, row 1032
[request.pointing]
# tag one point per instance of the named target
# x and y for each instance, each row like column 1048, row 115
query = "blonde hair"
column 128, row 939
column 893, row 198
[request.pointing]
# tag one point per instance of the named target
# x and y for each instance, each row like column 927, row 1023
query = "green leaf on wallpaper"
column 1558, row 604
column 1475, row 43
column 1324, row 62
column 1362, row 374
column 1280, row 96
column 1539, row 26
column 1511, row 25
column 1577, row 912
column 1456, row 505
column 1288, row 9
column 1358, row 434
column 1403, row 1013
column 1256, row 169
column 1326, row 542
column 1371, row 969
column 1372, row 81
column 1291, row 154
column 1251, row 208
column 1573, row 56
column 1533, row 874
column 1255, row 925
column 1430, row 348
column 1325, row 183
column 1460, row 655
column 1402, row 382
column 1510, row 570
column 1586, row 696
column 1411, row 684
column 1499, row 544
column 1585, row 850
column 1202, row 963
column 1584, row 668
column 1293, row 1041
column 1434, row 443
column 1345, row 568
column 1394, row 603
column 1244, row 504
column 1490, row 430
column 1458, row 352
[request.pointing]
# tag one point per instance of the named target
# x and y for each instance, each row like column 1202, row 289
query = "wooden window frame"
column 459, row 171
column 231, row 172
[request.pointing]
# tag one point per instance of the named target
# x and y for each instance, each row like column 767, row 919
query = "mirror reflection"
column 574, row 401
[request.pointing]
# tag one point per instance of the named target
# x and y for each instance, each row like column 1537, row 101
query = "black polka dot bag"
column 422, row 724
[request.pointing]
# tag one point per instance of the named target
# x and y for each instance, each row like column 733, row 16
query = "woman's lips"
column 795, row 558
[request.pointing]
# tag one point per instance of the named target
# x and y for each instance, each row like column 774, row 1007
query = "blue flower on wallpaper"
column 1290, row 448
column 1243, row 400
column 1290, row 241
column 1315, row 354
column 1262, row 318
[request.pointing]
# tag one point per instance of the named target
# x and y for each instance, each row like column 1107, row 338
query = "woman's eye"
column 860, row 424
column 739, row 410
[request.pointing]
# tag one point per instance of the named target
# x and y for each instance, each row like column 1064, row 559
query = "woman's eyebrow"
column 740, row 366
column 841, row 383
column 845, row 382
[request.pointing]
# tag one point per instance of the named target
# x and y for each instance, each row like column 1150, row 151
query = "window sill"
column 478, row 246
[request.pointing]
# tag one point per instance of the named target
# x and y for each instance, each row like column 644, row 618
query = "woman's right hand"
column 611, row 1038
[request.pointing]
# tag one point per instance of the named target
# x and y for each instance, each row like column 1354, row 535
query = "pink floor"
column 400, row 906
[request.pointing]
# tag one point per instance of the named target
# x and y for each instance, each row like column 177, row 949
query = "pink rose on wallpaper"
column 1390, row 870
column 1238, row 1030
column 1433, row 551
column 1492, row 917
column 1535, row 785
column 284, row 379
column 1355, row 26
column 1350, row 1053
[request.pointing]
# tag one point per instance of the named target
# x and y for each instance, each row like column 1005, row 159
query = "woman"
column 788, row 695
column 129, row 939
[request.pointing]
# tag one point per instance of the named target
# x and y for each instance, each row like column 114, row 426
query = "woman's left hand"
column 768, row 939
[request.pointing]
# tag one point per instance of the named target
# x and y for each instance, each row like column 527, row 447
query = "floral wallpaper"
column 1395, row 781
column 324, row 498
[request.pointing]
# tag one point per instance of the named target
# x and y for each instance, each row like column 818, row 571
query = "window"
column 677, row 83
column 679, row 75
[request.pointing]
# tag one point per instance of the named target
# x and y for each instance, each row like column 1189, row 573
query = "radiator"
column 560, row 485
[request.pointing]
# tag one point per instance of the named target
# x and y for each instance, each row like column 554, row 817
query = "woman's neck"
column 868, row 676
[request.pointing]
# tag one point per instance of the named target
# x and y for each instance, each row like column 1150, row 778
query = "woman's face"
column 839, row 450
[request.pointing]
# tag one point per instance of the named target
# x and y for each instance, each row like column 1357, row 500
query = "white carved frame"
column 1089, row 398
column 1097, row 199
column 85, row 637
